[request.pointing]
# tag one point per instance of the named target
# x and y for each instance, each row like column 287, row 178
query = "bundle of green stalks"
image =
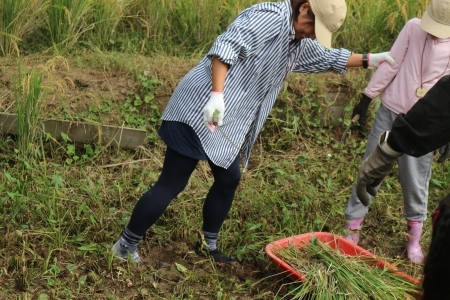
column 333, row 275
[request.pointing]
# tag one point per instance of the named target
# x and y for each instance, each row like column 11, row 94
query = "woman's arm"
column 354, row 61
column 219, row 73
column 315, row 58
column 397, row 51
column 245, row 36
column 386, row 73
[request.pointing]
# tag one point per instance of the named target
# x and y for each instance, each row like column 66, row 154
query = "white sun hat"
column 436, row 19
column 330, row 14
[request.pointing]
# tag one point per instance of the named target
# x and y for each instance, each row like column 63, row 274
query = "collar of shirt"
column 289, row 11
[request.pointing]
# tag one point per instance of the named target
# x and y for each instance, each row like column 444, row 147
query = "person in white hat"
column 422, row 55
column 234, row 88
column 423, row 129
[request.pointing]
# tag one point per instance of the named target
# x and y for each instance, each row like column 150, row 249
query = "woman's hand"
column 375, row 59
column 214, row 104
column 369, row 60
column 361, row 109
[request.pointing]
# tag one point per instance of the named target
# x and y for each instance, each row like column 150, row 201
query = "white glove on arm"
column 214, row 103
column 375, row 59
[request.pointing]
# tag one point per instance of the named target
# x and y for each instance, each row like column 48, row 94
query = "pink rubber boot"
column 353, row 227
column 413, row 248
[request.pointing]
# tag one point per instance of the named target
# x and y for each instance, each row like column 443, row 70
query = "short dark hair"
column 295, row 4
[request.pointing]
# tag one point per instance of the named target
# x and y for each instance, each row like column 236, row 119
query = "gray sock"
column 210, row 239
column 129, row 241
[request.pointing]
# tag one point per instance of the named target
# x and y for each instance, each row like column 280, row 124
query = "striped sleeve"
column 249, row 32
column 315, row 58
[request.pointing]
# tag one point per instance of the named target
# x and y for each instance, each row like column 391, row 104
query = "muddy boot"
column 413, row 248
column 353, row 227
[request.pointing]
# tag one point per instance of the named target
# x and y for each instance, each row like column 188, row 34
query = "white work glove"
column 214, row 103
column 375, row 59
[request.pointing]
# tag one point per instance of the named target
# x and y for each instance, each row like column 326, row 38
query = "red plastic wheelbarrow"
column 335, row 242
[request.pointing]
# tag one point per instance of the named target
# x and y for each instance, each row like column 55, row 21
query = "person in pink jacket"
column 422, row 55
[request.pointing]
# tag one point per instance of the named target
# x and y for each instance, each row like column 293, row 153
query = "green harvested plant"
column 216, row 116
column 333, row 275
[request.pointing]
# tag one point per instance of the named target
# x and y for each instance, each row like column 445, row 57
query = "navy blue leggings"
column 175, row 174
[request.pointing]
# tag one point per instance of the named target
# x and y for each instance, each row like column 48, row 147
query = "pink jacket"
column 399, row 82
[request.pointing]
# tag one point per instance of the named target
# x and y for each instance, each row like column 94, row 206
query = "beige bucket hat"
column 330, row 14
column 436, row 19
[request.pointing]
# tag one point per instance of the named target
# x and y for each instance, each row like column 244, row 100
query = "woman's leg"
column 383, row 121
column 415, row 174
column 216, row 207
column 177, row 169
column 355, row 210
column 220, row 196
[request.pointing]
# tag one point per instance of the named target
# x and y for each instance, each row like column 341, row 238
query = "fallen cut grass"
column 334, row 275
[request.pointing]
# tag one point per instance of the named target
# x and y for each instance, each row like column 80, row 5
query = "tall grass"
column 204, row 16
column 404, row 10
column 107, row 16
column 374, row 25
column 68, row 20
column 153, row 18
column 190, row 25
column 29, row 94
column 19, row 19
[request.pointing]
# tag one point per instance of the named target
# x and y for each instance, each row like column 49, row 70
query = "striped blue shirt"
column 261, row 50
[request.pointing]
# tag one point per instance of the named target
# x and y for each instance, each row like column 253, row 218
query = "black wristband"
column 365, row 62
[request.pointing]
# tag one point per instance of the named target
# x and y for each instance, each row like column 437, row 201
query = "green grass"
column 63, row 204
column 29, row 93
column 68, row 20
column 373, row 26
column 176, row 27
column 18, row 20
column 63, row 207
